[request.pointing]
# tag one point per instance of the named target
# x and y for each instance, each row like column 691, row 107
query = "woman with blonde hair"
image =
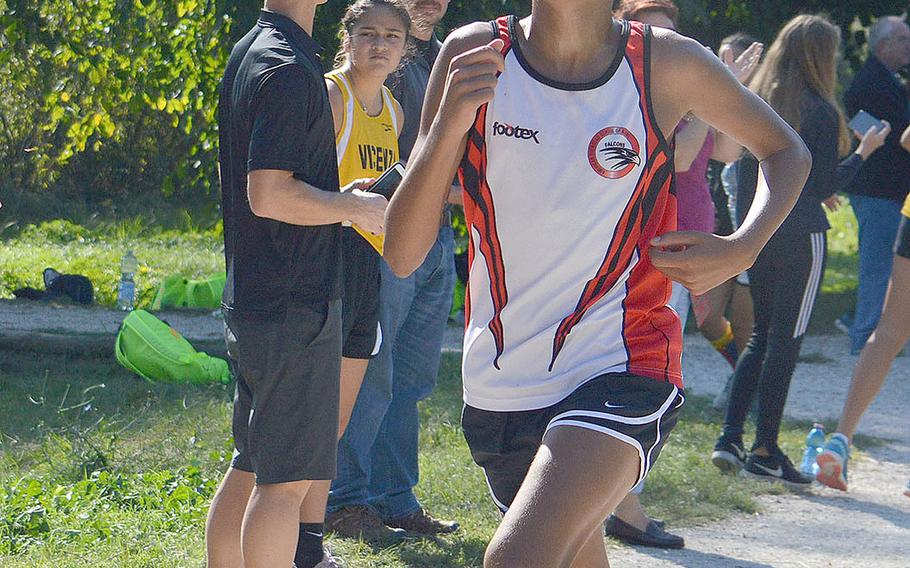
column 798, row 79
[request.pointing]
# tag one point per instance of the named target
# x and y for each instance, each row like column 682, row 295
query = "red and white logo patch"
column 614, row 152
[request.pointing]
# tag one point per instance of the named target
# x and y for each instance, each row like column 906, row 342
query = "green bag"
column 156, row 352
column 179, row 292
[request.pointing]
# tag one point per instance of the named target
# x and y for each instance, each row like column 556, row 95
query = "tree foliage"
column 712, row 20
column 105, row 101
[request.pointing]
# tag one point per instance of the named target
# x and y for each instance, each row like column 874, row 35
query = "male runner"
column 572, row 359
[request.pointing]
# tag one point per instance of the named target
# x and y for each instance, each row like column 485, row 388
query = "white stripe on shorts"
column 378, row 344
column 564, row 419
column 496, row 500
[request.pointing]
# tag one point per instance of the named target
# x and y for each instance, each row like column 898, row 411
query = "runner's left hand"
column 699, row 261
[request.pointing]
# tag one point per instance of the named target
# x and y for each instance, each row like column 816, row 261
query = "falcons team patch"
column 614, row 152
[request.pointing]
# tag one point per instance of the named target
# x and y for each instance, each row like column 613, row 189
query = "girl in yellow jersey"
column 367, row 122
column 368, row 119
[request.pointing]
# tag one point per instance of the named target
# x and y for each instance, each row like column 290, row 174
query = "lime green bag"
column 179, row 292
column 156, row 352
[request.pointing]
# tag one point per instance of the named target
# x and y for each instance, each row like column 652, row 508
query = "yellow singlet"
column 366, row 145
column 906, row 210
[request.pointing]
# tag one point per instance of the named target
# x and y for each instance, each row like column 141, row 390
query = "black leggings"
column 785, row 281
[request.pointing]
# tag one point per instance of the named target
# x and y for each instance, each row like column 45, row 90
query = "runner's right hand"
column 470, row 84
column 369, row 211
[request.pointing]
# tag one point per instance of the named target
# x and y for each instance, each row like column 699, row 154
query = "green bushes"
column 109, row 106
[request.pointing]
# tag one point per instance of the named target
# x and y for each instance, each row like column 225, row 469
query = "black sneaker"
column 654, row 535
column 728, row 455
column 776, row 467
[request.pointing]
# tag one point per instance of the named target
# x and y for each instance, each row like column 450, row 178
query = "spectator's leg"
column 878, row 221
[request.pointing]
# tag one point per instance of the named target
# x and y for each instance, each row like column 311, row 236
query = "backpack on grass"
column 156, row 352
column 179, row 292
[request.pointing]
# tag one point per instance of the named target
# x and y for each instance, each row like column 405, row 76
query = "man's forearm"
column 412, row 219
column 298, row 203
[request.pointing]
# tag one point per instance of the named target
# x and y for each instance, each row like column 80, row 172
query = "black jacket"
column 409, row 86
column 820, row 131
column 877, row 91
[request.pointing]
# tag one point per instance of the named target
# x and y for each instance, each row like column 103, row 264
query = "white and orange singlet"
column 565, row 185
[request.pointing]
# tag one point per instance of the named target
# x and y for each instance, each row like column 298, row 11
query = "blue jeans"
column 377, row 456
column 878, row 222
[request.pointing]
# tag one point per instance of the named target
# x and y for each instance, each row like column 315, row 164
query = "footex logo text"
column 509, row 131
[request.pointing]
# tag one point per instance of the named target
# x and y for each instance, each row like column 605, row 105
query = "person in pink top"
column 696, row 145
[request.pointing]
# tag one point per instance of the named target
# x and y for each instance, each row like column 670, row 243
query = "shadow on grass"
column 64, row 417
column 42, row 392
column 446, row 553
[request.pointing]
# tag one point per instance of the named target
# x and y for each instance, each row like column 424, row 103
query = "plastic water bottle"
column 815, row 444
column 126, row 291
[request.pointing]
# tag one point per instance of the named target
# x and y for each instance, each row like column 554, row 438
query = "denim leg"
column 416, row 353
column 350, row 487
column 878, row 222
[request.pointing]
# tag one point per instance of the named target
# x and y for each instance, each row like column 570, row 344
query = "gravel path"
column 868, row 527
column 41, row 317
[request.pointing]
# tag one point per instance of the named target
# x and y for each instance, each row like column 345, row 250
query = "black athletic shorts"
column 361, row 333
column 287, row 370
column 902, row 246
column 636, row 410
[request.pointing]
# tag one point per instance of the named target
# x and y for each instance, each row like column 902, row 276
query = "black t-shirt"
column 274, row 113
column 886, row 174
column 409, row 86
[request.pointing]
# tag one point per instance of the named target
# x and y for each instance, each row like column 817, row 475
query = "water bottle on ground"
column 126, row 291
column 815, row 444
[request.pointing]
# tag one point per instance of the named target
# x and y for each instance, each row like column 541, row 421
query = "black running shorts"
column 360, row 307
column 287, row 370
column 636, row 410
column 902, row 246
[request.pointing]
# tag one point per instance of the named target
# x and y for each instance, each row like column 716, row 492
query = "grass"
column 194, row 252
column 96, row 253
column 98, row 467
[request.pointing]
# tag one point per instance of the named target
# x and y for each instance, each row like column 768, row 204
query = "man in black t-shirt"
column 282, row 213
